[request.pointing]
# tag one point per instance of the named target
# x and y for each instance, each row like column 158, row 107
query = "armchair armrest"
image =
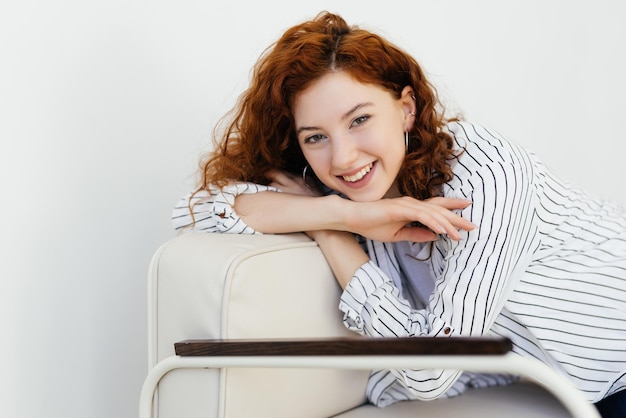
column 344, row 346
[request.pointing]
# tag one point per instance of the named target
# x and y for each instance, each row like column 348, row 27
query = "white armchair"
column 233, row 287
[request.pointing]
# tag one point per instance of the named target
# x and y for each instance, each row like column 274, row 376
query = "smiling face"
column 352, row 134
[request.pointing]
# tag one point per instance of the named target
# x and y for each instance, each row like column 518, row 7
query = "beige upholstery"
column 232, row 286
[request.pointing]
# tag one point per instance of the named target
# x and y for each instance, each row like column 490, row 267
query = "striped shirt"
column 545, row 267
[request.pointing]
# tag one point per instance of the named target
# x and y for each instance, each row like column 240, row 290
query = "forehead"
column 337, row 93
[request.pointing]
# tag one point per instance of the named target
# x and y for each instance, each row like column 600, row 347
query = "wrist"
column 337, row 210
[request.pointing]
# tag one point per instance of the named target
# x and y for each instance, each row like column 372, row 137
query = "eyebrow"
column 345, row 116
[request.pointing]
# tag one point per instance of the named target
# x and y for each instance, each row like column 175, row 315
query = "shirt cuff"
column 364, row 283
column 227, row 220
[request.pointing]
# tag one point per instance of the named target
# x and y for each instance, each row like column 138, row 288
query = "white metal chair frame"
column 511, row 363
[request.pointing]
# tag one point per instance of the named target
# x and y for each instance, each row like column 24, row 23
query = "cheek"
column 315, row 160
column 391, row 146
column 395, row 152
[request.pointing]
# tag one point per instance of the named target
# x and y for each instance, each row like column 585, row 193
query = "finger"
column 449, row 203
column 415, row 234
column 445, row 222
column 437, row 218
column 446, row 218
column 451, row 227
column 272, row 173
column 460, row 222
column 278, row 177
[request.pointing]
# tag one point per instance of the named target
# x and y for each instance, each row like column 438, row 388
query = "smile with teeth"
column 358, row 176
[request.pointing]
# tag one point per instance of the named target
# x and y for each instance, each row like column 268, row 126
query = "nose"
column 345, row 152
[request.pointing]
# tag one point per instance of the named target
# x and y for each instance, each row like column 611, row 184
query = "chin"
column 365, row 197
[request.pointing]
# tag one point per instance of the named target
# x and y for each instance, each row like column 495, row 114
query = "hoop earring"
column 406, row 140
column 304, row 173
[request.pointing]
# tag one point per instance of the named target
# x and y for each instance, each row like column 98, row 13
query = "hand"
column 390, row 220
column 289, row 183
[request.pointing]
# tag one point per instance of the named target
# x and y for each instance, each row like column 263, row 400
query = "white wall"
column 105, row 107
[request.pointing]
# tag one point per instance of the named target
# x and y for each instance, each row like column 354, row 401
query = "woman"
column 465, row 233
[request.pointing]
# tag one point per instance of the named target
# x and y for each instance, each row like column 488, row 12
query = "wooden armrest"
column 346, row 346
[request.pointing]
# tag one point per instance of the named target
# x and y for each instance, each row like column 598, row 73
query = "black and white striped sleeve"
column 213, row 210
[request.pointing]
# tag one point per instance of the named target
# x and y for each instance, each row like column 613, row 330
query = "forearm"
column 276, row 213
column 384, row 220
column 321, row 217
column 342, row 252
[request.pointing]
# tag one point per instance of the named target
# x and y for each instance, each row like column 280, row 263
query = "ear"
column 407, row 102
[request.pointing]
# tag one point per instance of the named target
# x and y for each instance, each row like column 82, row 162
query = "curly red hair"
column 261, row 134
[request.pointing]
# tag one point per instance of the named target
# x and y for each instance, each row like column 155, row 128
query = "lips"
column 359, row 175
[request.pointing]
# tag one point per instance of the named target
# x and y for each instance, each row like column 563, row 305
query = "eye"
column 314, row 139
column 360, row 120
